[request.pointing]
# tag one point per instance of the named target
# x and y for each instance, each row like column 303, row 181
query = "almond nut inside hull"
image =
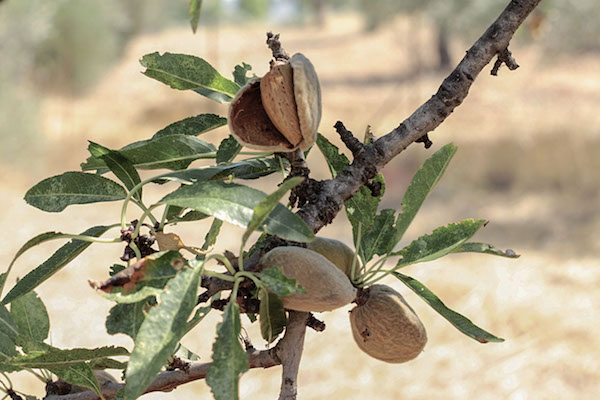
column 277, row 94
column 251, row 124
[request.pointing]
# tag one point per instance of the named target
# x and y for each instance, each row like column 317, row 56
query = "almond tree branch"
column 287, row 352
column 169, row 380
column 322, row 209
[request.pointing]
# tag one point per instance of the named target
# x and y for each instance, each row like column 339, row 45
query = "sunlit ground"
column 527, row 161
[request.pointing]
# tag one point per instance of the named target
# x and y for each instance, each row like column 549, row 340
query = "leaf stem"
column 146, row 213
column 219, row 275
column 357, row 247
column 40, row 377
column 92, row 239
column 136, row 250
column 10, row 385
column 282, row 167
column 163, row 219
column 63, row 236
column 234, row 291
column 225, row 262
column 250, row 275
column 145, row 209
column 374, row 269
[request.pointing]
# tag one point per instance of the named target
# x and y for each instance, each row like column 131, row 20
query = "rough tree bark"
column 368, row 161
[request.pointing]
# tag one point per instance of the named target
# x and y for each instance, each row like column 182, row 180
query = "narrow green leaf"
column 459, row 321
column 3, row 277
column 131, row 297
column 173, row 213
column 30, row 316
column 228, row 150
column 278, row 283
column 474, row 247
column 422, row 184
column 151, row 278
column 337, row 162
column 268, row 204
column 229, row 358
column 214, row 96
column 441, row 241
column 115, row 268
column 41, row 238
column 7, row 324
column 211, row 236
column 192, row 215
column 119, row 165
column 272, row 315
column 54, row 194
column 235, row 204
column 59, row 358
column 379, row 237
column 186, row 354
column 198, row 317
column 173, row 152
column 192, row 126
column 78, row 374
column 8, row 349
column 58, row 260
column 362, row 207
column 185, row 72
column 30, row 345
column 240, row 73
column 107, row 363
column 195, row 6
column 126, row 318
column 160, row 332
column 247, row 169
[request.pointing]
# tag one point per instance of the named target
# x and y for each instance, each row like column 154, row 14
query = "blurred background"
column 528, row 161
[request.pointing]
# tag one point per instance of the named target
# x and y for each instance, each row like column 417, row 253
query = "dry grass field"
column 528, row 160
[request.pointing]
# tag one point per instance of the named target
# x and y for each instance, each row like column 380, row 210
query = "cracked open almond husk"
column 280, row 111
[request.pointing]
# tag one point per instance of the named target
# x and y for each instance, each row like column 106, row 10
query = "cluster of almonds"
column 383, row 325
column 281, row 112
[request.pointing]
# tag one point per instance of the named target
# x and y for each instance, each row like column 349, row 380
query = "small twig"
column 425, row 140
column 275, row 45
column 178, row 363
column 374, row 187
column 504, row 57
column 315, row 324
column 352, row 143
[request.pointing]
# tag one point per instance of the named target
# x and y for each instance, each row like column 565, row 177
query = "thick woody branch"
column 287, row 351
column 290, row 353
column 321, row 210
